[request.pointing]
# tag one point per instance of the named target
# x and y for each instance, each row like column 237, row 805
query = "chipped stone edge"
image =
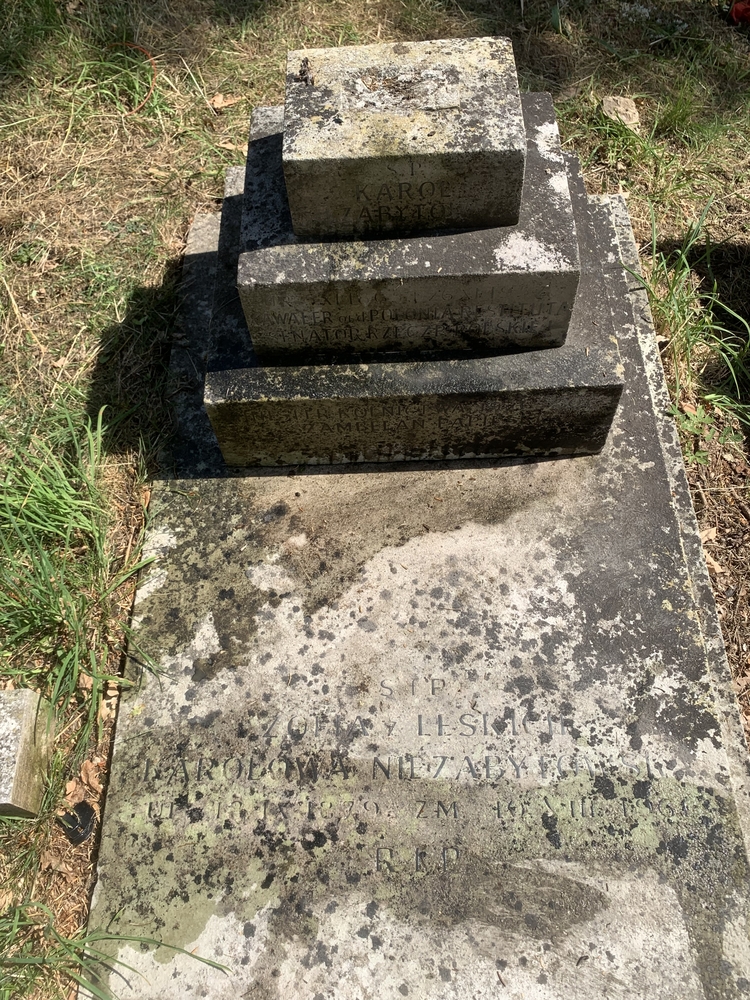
column 718, row 666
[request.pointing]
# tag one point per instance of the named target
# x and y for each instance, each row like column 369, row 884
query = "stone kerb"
column 403, row 137
column 25, row 740
column 488, row 290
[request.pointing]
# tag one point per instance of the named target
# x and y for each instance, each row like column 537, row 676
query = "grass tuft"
column 57, row 573
column 31, row 947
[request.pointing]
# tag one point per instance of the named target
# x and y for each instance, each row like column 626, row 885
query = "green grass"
column 58, row 623
column 31, row 948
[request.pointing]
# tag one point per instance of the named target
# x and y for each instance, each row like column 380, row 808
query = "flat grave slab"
column 401, row 137
column 491, row 290
column 442, row 731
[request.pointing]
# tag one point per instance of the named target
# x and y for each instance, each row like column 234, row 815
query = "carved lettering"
column 447, row 810
column 383, row 859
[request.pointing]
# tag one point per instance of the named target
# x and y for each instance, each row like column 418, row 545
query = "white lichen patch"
column 547, row 136
column 519, row 252
column 175, row 677
column 158, row 543
column 225, row 940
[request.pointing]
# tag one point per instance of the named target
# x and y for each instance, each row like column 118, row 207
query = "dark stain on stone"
column 677, row 846
column 605, row 787
column 206, row 668
column 549, row 822
column 496, row 897
column 314, row 838
column 641, row 789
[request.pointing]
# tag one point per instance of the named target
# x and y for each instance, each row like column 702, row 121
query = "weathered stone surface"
column 471, row 408
column 26, row 733
column 446, row 731
column 403, row 137
column 484, row 290
column 541, row 402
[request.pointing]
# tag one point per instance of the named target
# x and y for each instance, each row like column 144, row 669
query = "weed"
column 707, row 342
column 31, row 947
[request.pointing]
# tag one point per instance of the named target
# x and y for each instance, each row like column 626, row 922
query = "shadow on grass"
column 24, row 27
column 130, row 374
column 724, row 272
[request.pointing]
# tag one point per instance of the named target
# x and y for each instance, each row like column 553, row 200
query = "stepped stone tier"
column 488, row 290
column 532, row 402
column 403, row 137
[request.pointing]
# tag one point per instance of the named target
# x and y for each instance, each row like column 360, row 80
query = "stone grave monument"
column 385, row 325
column 424, row 728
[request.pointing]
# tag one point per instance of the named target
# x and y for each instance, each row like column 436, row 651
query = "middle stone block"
column 488, row 290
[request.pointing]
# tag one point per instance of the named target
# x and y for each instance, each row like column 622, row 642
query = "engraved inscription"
column 335, row 319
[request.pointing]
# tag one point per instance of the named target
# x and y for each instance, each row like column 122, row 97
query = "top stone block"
column 403, row 137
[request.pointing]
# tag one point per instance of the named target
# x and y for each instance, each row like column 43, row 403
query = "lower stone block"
column 538, row 404
column 25, row 742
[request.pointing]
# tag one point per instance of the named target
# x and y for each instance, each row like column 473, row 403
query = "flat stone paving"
column 26, row 737
column 401, row 137
column 447, row 731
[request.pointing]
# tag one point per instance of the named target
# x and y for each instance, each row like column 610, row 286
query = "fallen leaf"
column 218, row 102
column 85, row 682
column 622, row 109
column 708, row 535
column 75, row 792
column 688, row 408
column 232, row 145
column 106, row 710
column 50, row 861
column 713, row 566
column 89, row 774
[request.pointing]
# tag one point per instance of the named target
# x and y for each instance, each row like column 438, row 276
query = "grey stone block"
column 26, row 735
column 401, row 137
column 467, row 408
column 484, row 290
column 534, row 402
